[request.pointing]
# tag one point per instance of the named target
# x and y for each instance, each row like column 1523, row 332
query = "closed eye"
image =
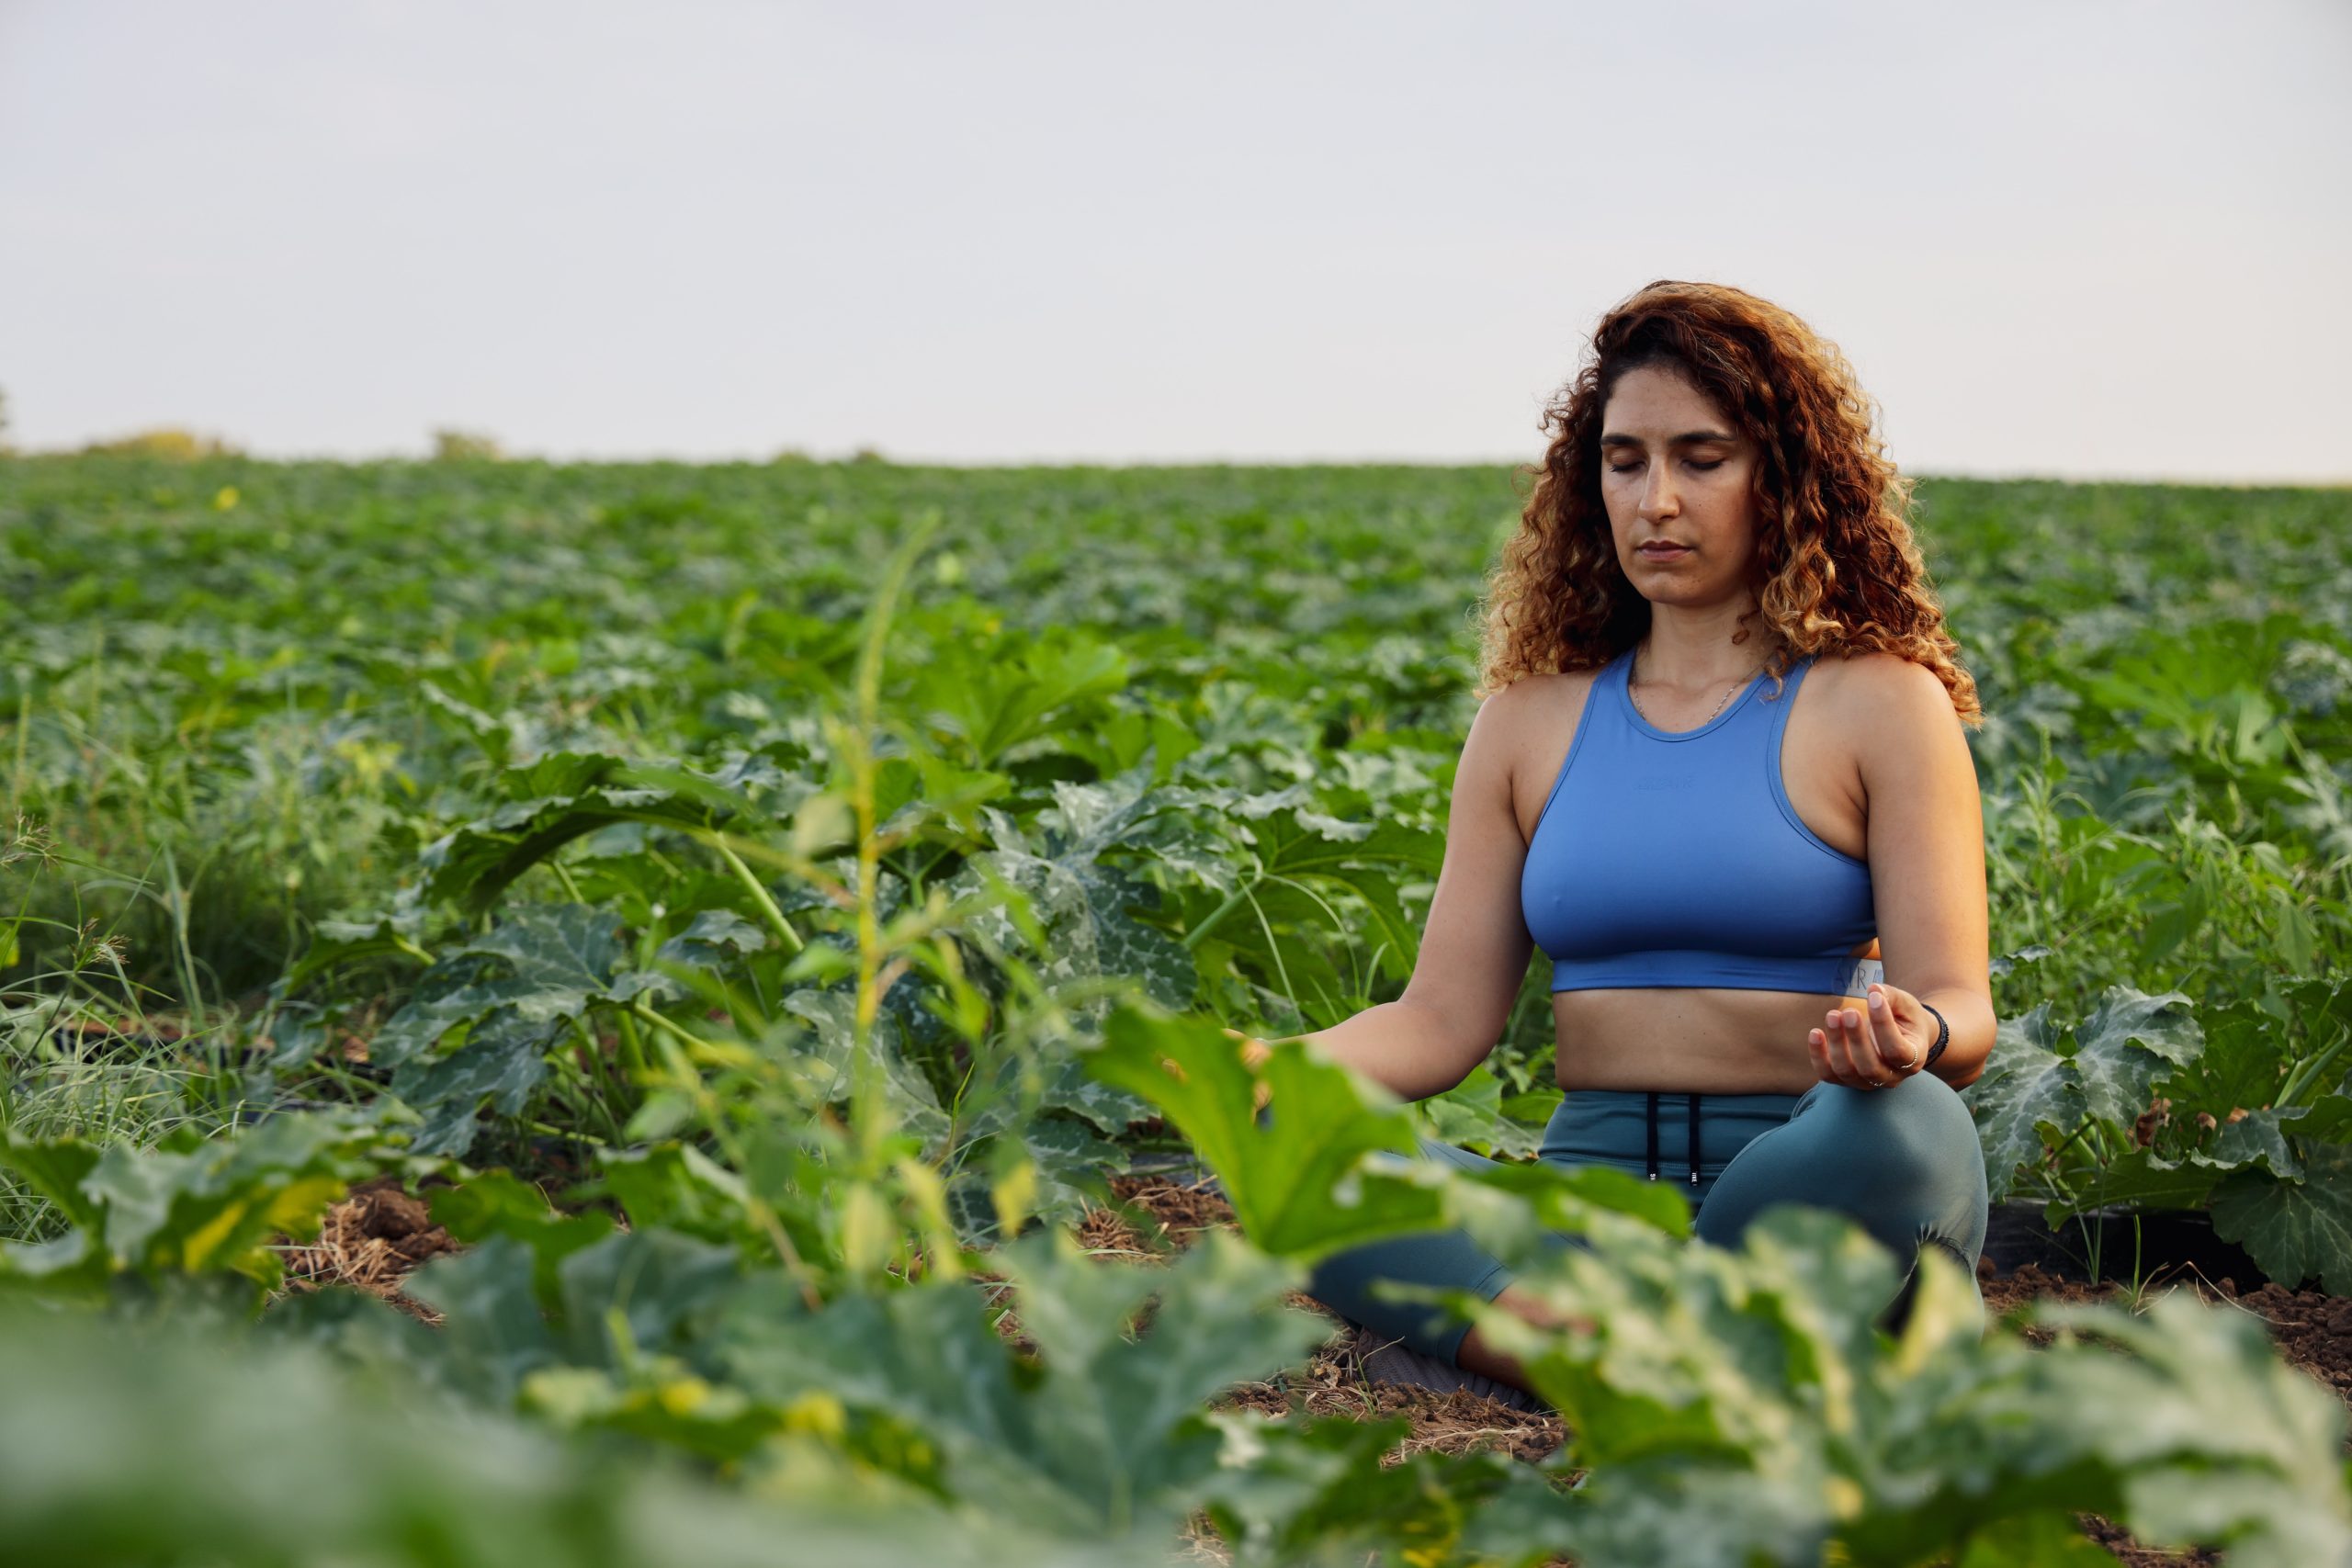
column 1629, row 468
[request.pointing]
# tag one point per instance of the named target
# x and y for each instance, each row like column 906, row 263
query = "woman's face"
column 1673, row 471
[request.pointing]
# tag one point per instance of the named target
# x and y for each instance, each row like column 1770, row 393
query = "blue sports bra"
column 1664, row 859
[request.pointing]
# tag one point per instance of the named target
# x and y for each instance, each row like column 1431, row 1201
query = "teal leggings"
column 1902, row 1161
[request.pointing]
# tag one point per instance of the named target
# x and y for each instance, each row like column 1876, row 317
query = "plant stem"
column 1233, row 901
column 2307, row 1073
column 760, row 896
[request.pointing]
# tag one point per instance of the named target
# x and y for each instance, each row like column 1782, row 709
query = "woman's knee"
column 1919, row 1112
column 1916, row 1135
column 1346, row 1281
column 1894, row 1157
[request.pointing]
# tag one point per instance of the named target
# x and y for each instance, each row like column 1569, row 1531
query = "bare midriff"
column 1706, row 1040
column 1687, row 1040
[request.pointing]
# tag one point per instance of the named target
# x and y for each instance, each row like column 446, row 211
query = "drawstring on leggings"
column 1693, row 1126
column 1694, row 1140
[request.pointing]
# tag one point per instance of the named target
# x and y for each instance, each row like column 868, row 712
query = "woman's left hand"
column 1880, row 1043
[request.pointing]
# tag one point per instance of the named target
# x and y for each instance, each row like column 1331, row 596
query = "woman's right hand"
column 1254, row 1053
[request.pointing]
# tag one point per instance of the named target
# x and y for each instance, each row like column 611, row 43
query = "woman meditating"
column 1719, row 775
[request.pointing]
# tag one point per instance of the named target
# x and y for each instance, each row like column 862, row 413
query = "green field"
column 799, row 873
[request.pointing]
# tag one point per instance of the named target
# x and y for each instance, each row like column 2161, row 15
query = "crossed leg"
column 1902, row 1161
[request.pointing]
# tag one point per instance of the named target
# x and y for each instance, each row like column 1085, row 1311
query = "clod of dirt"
column 371, row 1240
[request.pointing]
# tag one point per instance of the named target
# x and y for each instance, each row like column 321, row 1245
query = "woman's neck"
column 1689, row 650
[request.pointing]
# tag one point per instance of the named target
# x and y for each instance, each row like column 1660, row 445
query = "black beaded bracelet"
column 1943, row 1038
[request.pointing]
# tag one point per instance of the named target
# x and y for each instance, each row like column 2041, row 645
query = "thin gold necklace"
column 1635, row 664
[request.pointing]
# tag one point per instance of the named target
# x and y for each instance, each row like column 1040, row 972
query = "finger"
column 1861, row 1059
column 1882, row 1041
column 1816, row 1046
column 1826, row 1066
column 1834, row 1065
column 1887, row 1034
column 1833, row 1042
column 1871, row 1050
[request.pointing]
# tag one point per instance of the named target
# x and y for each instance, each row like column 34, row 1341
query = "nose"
column 1658, row 492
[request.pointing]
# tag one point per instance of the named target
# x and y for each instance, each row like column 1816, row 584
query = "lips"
column 1663, row 547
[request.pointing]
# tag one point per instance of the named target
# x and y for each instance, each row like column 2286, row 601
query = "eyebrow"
column 1689, row 438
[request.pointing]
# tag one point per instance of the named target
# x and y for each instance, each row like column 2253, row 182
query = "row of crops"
column 760, row 905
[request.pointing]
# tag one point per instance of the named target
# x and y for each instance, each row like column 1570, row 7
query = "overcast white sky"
column 2087, row 239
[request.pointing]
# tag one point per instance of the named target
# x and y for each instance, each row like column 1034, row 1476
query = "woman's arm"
column 1474, row 945
column 1926, row 856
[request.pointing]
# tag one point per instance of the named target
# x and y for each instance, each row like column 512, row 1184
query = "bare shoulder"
column 1542, row 710
column 1895, row 720
column 1534, row 694
column 1880, row 688
column 1526, row 728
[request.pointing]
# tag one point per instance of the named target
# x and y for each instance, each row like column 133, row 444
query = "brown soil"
column 371, row 1240
column 2313, row 1330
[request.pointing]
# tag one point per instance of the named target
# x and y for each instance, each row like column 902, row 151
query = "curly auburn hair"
column 1838, row 571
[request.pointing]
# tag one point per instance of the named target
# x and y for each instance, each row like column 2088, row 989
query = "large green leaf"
column 456, row 990
column 1301, row 1188
column 542, row 963
column 555, row 799
column 2294, row 1230
column 832, row 1015
column 513, row 989
column 1067, row 1086
column 642, row 1292
column 2225, row 1443
column 2035, row 1541
column 1110, row 1437
column 679, row 1186
column 997, row 704
column 1080, row 905
column 494, row 1203
column 2130, row 1041
column 2026, row 1089
column 2240, row 1067
column 56, row 1168
column 1333, row 1490
column 502, row 1060
column 559, row 957
column 2259, row 1137
column 2139, row 1179
column 1756, row 1375
column 1305, row 858
column 124, row 1445
column 1471, row 1115
column 336, row 943
column 193, row 1206
column 715, row 938
column 492, row 1327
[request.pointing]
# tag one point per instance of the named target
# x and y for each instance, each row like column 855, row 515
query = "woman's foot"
column 1476, row 1355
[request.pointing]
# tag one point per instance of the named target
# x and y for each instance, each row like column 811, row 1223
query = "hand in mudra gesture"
column 1883, row 1040
column 1253, row 1052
